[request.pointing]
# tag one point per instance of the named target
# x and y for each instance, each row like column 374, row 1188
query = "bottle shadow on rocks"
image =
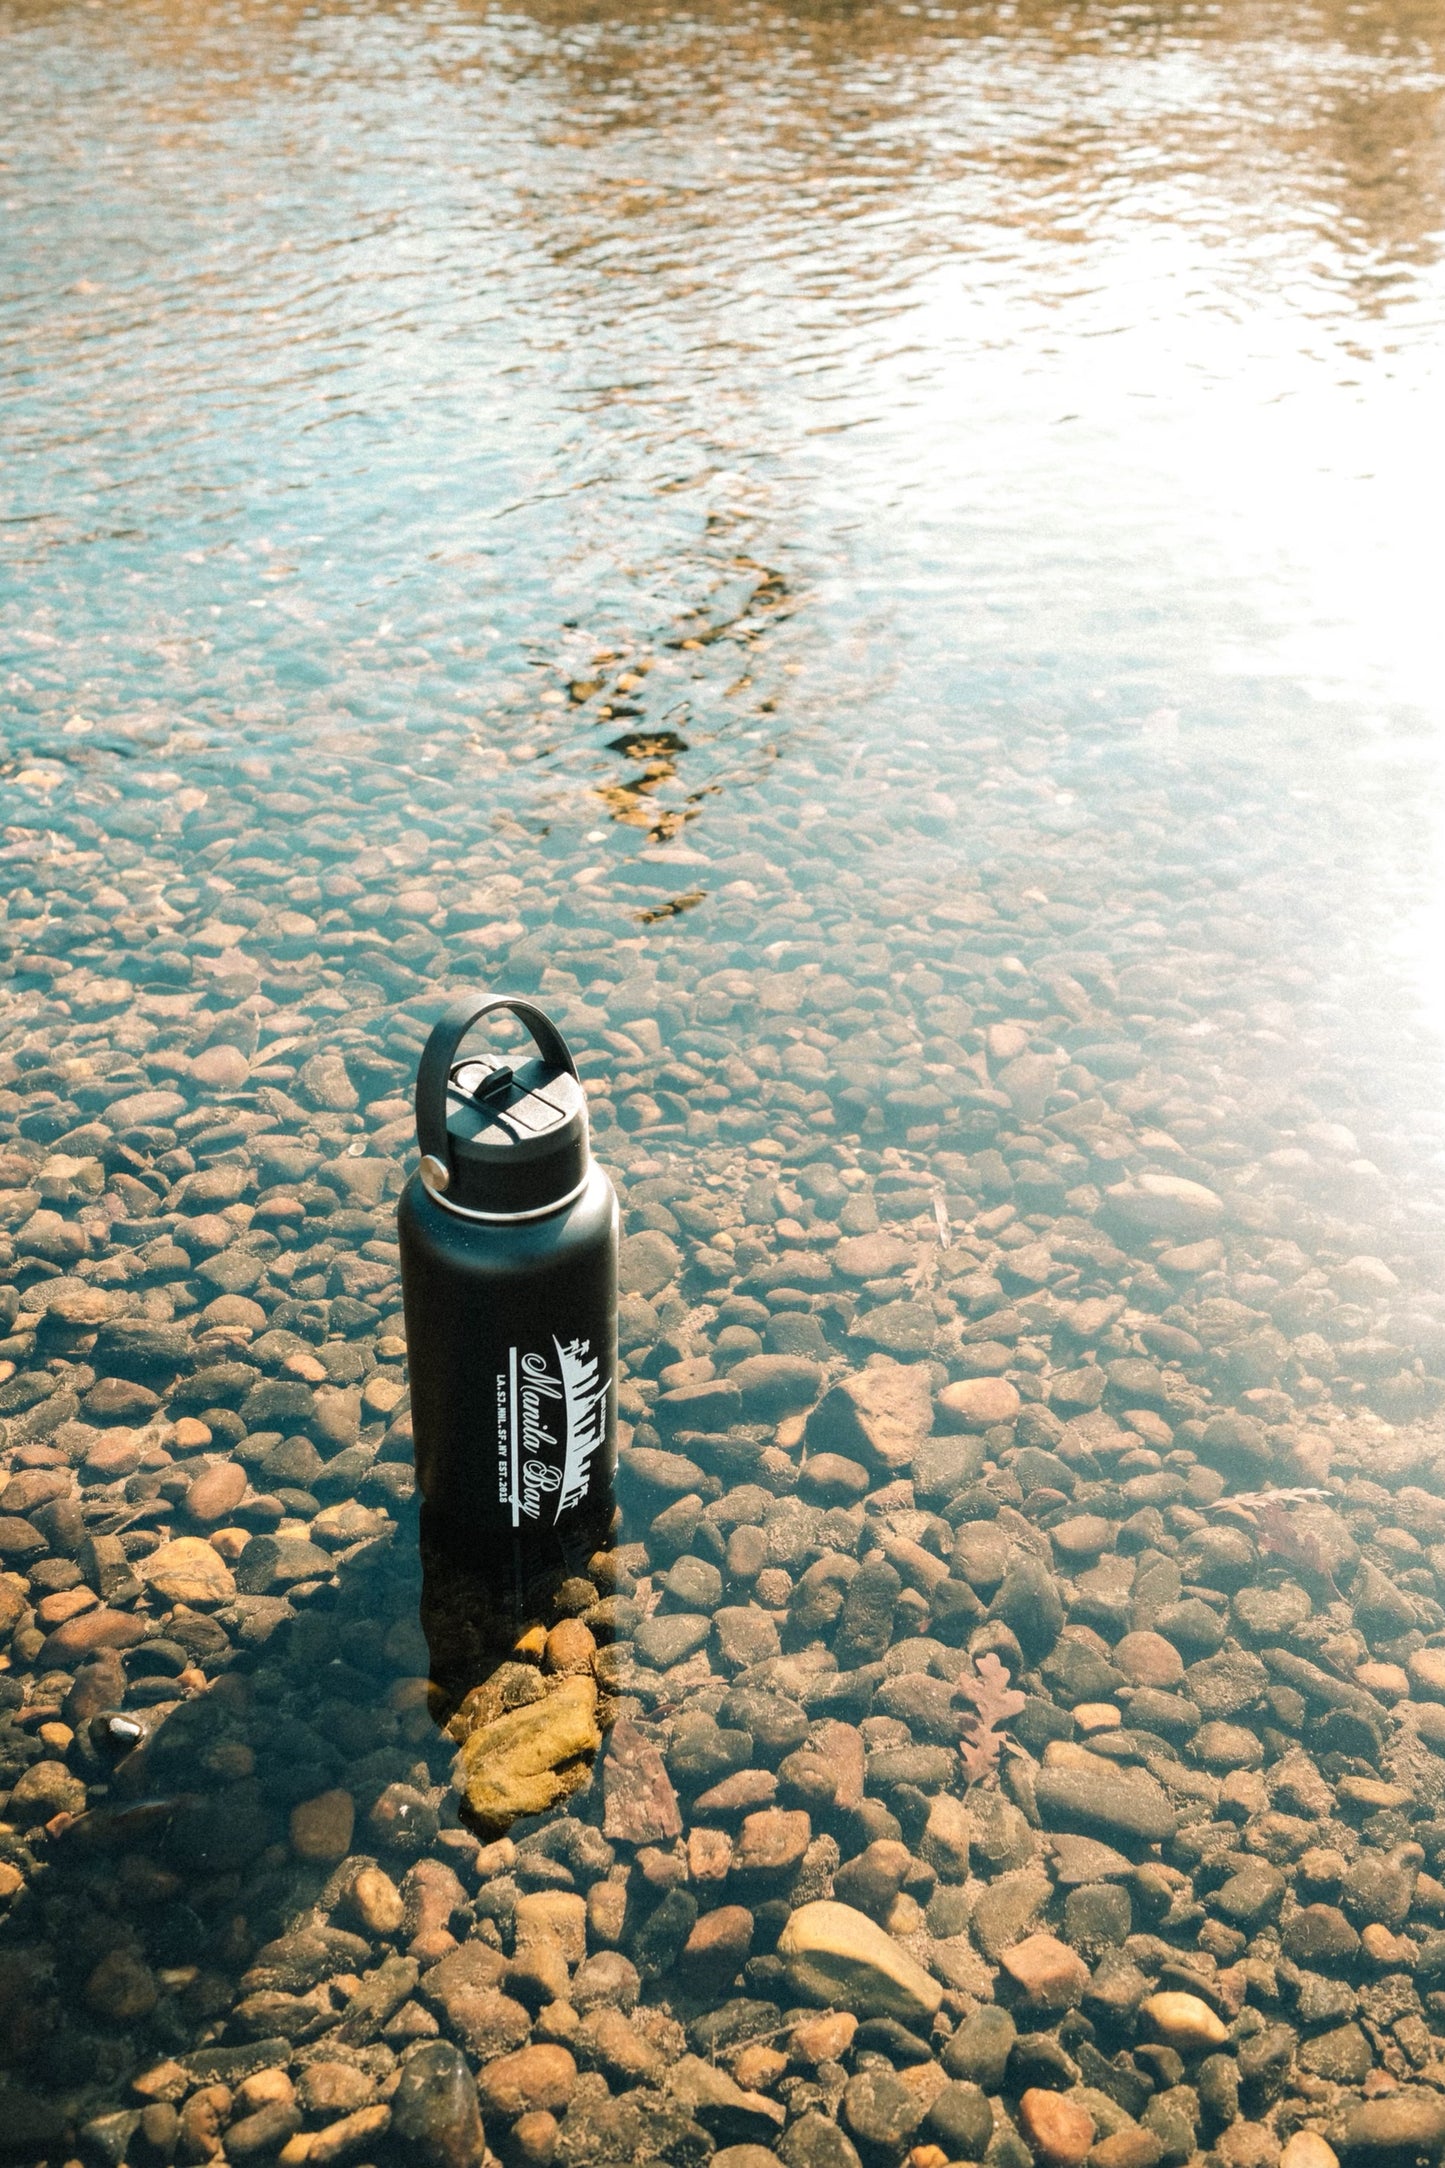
column 514, row 1650
column 263, row 1869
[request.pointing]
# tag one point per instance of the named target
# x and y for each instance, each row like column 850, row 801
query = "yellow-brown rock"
column 557, row 1916
column 570, row 1649
column 375, row 1902
column 189, row 1570
column 537, row 2077
column 1183, row 2021
column 1307, row 2149
column 836, row 1954
column 824, row 2039
column 528, row 1760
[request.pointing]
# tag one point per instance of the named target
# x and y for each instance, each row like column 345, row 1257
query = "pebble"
column 1398, row 2126
column 122, row 1988
column 717, row 1947
column 881, row 2112
column 1058, row 2131
column 1124, row 1802
column 328, row 2090
column 826, row 2039
column 1050, row 1974
column 879, row 1416
column 320, row 1828
column 834, row 1953
column 540, row 2077
column 215, row 1495
column 1184, row 2022
column 979, row 1403
column 1307, row 2149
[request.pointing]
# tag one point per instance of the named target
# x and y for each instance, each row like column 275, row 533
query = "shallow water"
column 882, row 560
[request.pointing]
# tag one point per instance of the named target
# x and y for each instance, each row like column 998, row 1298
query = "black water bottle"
column 508, row 1232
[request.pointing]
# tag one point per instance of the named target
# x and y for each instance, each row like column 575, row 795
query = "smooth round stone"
column 671, row 1639
column 1096, row 1716
column 1430, row 1724
column 978, row 1403
column 1149, row 1660
column 880, row 2111
column 221, row 1068
column 1427, row 1673
column 1248, row 2145
column 1164, row 1204
column 1127, row 1802
column 1183, row 2021
column 542, row 2076
column 1390, row 1681
column 45, row 1789
column 873, row 1257
column 1307, row 2149
column 1319, row 1935
column 824, row 2039
column 1057, row 2130
column 1223, row 1746
column 215, row 1495
column 327, row 2090
column 775, row 1385
column 234, row 1310
column 1085, row 1859
column 144, row 1110
column 375, row 1902
column 321, row 1827
column 1392, row 1953
column 1271, row 1614
column 831, row 1479
column 1398, row 2127
column 719, row 1945
column 1086, row 1535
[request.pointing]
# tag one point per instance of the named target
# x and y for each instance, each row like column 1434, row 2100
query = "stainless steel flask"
column 508, row 1233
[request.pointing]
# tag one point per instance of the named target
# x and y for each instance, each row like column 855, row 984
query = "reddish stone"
column 78, row 1638
column 641, row 1805
column 718, row 1946
column 216, row 1492
column 771, row 1841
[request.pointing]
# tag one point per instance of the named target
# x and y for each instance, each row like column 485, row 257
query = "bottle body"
column 511, row 1331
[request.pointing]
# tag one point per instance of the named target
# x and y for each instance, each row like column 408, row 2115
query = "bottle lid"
column 500, row 1139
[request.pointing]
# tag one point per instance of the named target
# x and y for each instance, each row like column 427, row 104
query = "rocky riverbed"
column 1010, row 1723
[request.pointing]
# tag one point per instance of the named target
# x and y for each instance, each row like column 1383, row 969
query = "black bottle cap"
column 500, row 1139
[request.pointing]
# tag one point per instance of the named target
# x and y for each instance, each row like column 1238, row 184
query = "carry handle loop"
column 434, row 1071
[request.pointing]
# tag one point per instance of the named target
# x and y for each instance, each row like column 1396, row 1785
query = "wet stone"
column 1399, row 2127
column 979, row 2049
column 1059, row 2131
column 1124, row 1802
column 1319, row 1934
column 834, row 1953
column 435, row 2118
column 880, row 2112
column 815, row 2141
column 1048, row 1974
